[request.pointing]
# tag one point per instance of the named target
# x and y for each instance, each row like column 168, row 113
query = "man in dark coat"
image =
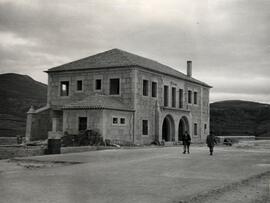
column 211, row 141
column 186, row 142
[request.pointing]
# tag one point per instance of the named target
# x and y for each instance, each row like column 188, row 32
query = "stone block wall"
column 88, row 82
column 38, row 125
column 71, row 120
column 146, row 107
column 114, row 132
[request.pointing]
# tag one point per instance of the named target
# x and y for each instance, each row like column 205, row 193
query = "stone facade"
column 138, row 113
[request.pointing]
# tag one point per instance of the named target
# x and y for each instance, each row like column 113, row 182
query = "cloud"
column 227, row 40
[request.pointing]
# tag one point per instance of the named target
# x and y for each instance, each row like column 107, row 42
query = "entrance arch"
column 168, row 132
column 182, row 127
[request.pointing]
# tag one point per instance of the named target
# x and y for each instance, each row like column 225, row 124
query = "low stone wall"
column 8, row 140
column 7, row 152
column 65, row 150
column 235, row 138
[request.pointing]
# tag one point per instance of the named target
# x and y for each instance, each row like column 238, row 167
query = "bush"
column 85, row 138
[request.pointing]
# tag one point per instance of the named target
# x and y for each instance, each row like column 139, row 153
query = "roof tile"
column 120, row 58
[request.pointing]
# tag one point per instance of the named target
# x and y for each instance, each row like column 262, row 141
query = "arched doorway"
column 168, row 129
column 183, row 126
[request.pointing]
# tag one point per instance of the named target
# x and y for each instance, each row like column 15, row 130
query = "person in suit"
column 186, row 142
column 211, row 141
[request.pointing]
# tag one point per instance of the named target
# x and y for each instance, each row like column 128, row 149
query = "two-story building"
column 124, row 97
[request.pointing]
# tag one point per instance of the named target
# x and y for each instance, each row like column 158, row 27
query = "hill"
column 240, row 118
column 18, row 93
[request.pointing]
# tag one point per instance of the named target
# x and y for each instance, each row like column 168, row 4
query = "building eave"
column 133, row 66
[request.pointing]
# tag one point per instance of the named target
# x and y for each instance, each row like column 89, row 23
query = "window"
column 145, row 127
column 98, row 84
column 114, row 120
column 195, row 129
column 122, row 121
column 189, row 96
column 205, row 128
column 181, row 98
column 145, row 87
column 154, row 89
column 114, row 86
column 195, row 97
column 166, row 95
column 64, row 88
column 173, row 97
column 79, row 85
column 82, row 123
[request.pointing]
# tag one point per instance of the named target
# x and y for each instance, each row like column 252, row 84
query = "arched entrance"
column 183, row 126
column 168, row 129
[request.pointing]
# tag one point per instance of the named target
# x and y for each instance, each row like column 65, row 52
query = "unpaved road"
column 139, row 175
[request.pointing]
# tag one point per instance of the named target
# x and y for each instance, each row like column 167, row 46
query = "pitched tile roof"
column 99, row 102
column 120, row 58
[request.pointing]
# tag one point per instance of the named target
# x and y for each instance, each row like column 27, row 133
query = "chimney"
column 189, row 68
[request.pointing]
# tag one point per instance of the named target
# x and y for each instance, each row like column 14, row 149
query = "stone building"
column 125, row 97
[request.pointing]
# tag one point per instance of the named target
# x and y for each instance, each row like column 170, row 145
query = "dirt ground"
column 140, row 175
column 252, row 190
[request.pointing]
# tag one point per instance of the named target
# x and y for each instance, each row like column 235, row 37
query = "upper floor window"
column 173, row 97
column 79, row 85
column 98, row 84
column 145, row 87
column 64, row 88
column 166, row 95
column 145, row 127
column 154, row 89
column 181, row 97
column 114, row 86
column 195, row 98
column 189, row 96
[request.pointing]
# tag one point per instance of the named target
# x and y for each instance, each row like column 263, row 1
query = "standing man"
column 211, row 141
column 186, row 142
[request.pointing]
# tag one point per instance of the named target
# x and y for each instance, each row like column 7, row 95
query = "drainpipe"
column 133, row 136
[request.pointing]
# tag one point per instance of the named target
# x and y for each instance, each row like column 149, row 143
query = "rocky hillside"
column 18, row 93
column 240, row 118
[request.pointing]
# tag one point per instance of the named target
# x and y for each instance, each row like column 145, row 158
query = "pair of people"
column 210, row 141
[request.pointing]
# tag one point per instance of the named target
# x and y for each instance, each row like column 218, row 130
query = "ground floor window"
column 114, row 120
column 145, row 127
column 118, row 120
column 195, row 129
column 122, row 121
column 82, row 123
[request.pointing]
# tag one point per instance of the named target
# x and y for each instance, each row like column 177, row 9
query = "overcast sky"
column 227, row 40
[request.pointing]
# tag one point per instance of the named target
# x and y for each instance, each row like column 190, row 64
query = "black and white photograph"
column 135, row 101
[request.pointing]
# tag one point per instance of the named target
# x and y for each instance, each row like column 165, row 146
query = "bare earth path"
column 139, row 175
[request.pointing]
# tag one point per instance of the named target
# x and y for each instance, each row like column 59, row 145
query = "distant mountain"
column 242, row 118
column 17, row 94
